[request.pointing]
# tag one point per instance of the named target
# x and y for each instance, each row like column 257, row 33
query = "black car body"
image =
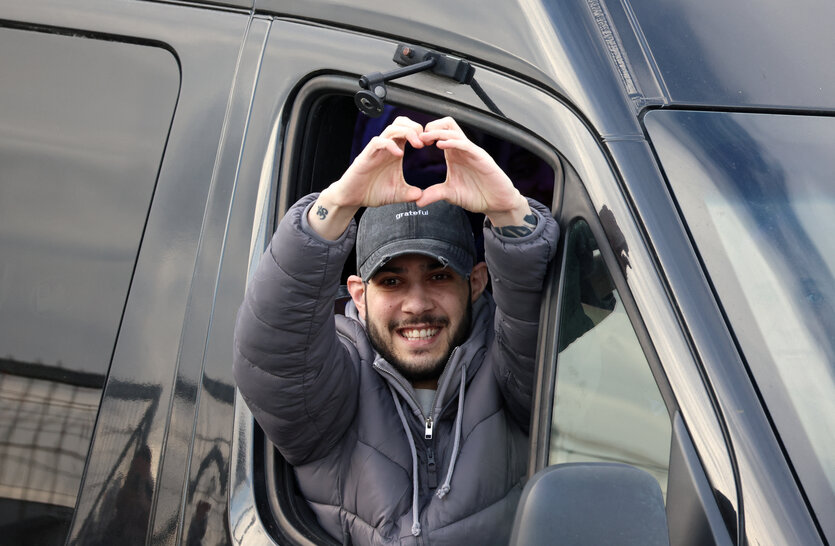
column 147, row 150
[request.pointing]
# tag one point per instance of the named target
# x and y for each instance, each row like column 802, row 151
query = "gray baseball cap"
column 441, row 231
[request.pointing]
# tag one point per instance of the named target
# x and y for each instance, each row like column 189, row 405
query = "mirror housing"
column 591, row 503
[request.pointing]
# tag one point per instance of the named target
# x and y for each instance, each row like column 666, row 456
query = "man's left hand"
column 474, row 181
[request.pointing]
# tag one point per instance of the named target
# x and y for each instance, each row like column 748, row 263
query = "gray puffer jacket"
column 373, row 467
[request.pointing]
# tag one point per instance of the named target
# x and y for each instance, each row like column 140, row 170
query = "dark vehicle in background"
column 147, row 150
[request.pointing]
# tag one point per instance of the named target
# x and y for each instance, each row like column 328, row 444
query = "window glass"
column 83, row 125
column 756, row 192
column 607, row 406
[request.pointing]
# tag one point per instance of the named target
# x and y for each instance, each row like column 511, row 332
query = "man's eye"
column 441, row 276
column 390, row 281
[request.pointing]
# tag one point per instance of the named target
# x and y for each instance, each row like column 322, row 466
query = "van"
column 148, row 149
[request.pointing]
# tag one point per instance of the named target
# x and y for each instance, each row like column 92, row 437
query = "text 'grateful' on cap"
column 439, row 230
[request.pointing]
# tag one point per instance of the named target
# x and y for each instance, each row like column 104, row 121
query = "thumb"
column 434, row 193
column 409, row 193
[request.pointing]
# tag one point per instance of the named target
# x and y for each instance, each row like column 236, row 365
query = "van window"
column 756, row 193
column 607, row 406
column 83, row 126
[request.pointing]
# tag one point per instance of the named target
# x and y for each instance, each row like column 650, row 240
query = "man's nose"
column 417, row 299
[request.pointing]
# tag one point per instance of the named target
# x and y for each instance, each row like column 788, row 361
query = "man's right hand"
column 375, row 178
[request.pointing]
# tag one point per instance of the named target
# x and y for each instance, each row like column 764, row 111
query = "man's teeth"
column 424, row 333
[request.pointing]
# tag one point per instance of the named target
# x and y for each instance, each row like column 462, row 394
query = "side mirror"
column 591, row 503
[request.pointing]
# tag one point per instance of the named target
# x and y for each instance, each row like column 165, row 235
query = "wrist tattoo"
column 321, row 212
column 518, row 231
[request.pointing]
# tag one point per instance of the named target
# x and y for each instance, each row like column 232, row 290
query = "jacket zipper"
column 430, row 468
column 429, row 423
column 427, row 431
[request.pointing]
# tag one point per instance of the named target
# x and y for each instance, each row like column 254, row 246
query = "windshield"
column 758, row 194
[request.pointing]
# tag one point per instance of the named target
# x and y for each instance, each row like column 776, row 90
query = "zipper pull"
column 430, row 466
column 427, row 433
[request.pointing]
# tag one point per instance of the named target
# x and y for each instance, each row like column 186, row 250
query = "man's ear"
column 478, row 280
column 357, row 290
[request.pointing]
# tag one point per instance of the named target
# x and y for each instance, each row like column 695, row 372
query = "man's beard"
column 435, row 369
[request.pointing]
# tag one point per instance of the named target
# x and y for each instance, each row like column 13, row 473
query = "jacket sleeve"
column 517, row 269
column 296, row 376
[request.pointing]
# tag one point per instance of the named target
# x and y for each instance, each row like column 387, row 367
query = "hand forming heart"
column 474, row 181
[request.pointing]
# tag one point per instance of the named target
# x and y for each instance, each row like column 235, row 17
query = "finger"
column 404, row 132
column 407, row 122
column 465, row 151
column 458, row 152
column 458, row 144
column 403, row 123
column 380, row 144
column 438, row 135
column 435, row 193
column 443, row 123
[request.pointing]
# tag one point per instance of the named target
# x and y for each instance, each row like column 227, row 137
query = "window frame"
column 576, row 206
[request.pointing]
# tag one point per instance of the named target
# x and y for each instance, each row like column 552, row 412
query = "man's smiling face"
column 416, row 311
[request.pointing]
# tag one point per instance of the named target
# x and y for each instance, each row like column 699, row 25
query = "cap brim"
column 456, row 258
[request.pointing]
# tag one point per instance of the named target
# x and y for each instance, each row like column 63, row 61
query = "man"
column 406, row 419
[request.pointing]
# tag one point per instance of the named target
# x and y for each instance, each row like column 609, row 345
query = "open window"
column 325, row 132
